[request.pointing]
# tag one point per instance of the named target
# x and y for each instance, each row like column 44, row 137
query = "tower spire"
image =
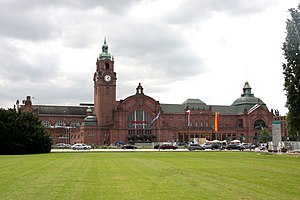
column 247, row 90
column 105, row 55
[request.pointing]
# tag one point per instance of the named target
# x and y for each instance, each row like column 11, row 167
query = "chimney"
column 28, row 104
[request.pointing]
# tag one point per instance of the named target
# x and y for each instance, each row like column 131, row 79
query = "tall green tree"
column 292, row 70
column 22, row 133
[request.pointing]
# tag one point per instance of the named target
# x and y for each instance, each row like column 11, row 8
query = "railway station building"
column 141, row 118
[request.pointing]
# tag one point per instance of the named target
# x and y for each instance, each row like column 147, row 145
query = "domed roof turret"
column 89, row 110
column 247, row 98
column 105, row 55
column 90, row 121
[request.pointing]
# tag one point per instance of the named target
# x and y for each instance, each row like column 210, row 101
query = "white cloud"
column 183, row 49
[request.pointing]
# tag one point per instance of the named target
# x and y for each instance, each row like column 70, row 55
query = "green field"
column 150, row 175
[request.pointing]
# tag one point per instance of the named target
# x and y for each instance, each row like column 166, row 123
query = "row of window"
column 202, row 124
column 140, row 119
column 60, row 123
column 89, row 134
column 75, row 136
column 206, row 118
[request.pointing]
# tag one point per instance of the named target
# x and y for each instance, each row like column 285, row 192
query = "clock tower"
column 104, row 88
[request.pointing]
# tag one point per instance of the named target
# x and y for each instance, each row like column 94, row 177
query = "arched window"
column 60, row 123
column 75, row 124
column 139, row 119
column 46, row 123
column 259, row 124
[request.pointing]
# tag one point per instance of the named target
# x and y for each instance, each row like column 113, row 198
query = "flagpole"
column 189, row 123
column 151, row 123
column 189, row 119
column 159, row 135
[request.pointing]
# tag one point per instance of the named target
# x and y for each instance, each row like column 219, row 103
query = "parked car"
column 207, row 145
column 80, row 146
column 181, row 144
column 218, row 146
column 167, row 146
column 235, row 146
column 128, row 146
column 119, row 143
column 248, row 146
column 193, row 147
column 60, row 145
column 263, row 146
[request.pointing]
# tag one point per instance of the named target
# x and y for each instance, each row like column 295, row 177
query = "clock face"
column 107, row 78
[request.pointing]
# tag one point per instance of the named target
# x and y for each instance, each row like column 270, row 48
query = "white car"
column 80, row 146
column 60, row 145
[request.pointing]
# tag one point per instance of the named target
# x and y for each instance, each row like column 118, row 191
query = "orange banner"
column 217, row 122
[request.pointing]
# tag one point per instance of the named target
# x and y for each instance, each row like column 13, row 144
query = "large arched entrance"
column 259, row 124
column 139, row 129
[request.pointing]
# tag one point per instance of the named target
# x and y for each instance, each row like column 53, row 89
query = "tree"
column 265, row 136
column 22, row 133
column 292, row 70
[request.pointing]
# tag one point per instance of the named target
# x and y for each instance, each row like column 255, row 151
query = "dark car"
column 248, row 146
column 166, row 146
column 129, row 147
column 193, row 147
column 119, row 143
column 219, row 146
column 235, row 147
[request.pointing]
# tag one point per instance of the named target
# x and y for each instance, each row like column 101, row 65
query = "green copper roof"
column 105, row 55
column 247, row 98
column 90, row 121
column 193, row 101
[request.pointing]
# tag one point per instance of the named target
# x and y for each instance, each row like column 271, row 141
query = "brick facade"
column 108, row 120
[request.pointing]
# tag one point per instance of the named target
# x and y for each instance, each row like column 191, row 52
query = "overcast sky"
column 177, row 49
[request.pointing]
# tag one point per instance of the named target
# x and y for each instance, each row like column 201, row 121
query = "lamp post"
column 189, row 112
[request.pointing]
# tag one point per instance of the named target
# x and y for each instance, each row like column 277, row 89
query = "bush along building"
column 140, row 118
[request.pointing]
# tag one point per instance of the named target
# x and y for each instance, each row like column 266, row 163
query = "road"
column 136, row 150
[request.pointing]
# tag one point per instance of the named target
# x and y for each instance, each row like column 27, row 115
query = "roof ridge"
column 253, row 108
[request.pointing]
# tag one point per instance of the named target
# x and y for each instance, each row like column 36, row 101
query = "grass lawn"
column 150, row 175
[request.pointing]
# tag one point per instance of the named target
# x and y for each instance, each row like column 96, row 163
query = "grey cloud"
column 45, row 92
column 241, row 7
column 191, row 11
column 80, row 89
column 26, row 24
column 39, row 20
column 158, row 47
column 13, row 65
column 119, row 6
